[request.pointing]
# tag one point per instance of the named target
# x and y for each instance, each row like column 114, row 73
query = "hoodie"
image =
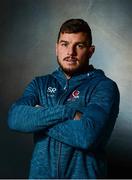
column 65, row 148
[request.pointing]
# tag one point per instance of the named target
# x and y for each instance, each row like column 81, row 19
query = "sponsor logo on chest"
column 51, row 91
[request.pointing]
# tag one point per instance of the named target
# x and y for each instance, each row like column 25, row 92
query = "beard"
column 70, row 71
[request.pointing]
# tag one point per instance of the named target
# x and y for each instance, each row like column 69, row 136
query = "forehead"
column 73, row 37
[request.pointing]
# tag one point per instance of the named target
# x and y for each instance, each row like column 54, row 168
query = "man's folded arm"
column 96, row 122
column 25, row 117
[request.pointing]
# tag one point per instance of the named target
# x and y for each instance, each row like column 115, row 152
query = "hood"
column 79, row 77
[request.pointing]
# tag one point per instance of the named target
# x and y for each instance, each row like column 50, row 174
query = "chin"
column 70, row 71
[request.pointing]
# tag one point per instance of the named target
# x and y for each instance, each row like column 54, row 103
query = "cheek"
column 61, row 53
column 83, row 55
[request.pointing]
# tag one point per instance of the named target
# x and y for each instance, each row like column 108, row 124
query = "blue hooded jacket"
column 65, row 148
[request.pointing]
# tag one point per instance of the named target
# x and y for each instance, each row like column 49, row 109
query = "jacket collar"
column 78, row 77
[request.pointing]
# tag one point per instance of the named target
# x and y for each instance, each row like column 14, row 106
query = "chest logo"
column 74, row 95
column 51, row 91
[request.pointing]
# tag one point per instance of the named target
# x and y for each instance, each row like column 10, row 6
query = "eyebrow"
column 63, row 41
column 85, row 42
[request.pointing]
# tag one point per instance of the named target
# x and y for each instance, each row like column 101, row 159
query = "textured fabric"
column 65, row 147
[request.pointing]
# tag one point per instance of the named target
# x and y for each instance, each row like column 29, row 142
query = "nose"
column 71, row 51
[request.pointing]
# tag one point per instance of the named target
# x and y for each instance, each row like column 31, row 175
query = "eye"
column 81, row 46
column 64, row 44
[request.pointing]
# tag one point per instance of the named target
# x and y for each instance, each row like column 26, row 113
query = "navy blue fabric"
column 65, row 147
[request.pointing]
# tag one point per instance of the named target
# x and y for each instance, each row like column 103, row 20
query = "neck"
column 84, row 70
column 67, row 76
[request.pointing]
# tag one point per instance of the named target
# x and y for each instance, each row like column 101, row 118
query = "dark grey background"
column 28, row 32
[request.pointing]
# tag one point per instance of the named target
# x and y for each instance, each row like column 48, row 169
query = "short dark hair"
column 75, row 26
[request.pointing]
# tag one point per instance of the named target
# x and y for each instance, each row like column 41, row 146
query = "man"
column 71, row 112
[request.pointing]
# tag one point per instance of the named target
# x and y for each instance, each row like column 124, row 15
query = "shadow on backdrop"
column 28, row 32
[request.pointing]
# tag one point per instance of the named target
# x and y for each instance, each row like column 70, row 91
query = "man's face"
column 73, row 52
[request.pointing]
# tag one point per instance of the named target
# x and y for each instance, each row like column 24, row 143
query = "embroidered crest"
column 74, row 95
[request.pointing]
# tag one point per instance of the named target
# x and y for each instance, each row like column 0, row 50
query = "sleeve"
column 96, row 123
column 25, row 117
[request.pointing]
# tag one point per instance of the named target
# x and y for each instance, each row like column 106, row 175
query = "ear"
column 91, row 50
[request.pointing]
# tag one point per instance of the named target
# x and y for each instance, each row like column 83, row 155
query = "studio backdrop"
column 28, row 33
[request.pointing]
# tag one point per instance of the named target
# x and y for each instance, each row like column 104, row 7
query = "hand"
column 77, row 115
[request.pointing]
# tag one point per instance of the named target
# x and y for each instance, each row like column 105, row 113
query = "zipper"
column 65, row 88
column 60, row 144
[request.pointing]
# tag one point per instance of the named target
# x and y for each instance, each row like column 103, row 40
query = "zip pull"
column 66, row 86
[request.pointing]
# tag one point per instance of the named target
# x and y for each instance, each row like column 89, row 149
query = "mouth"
column 71, row 60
